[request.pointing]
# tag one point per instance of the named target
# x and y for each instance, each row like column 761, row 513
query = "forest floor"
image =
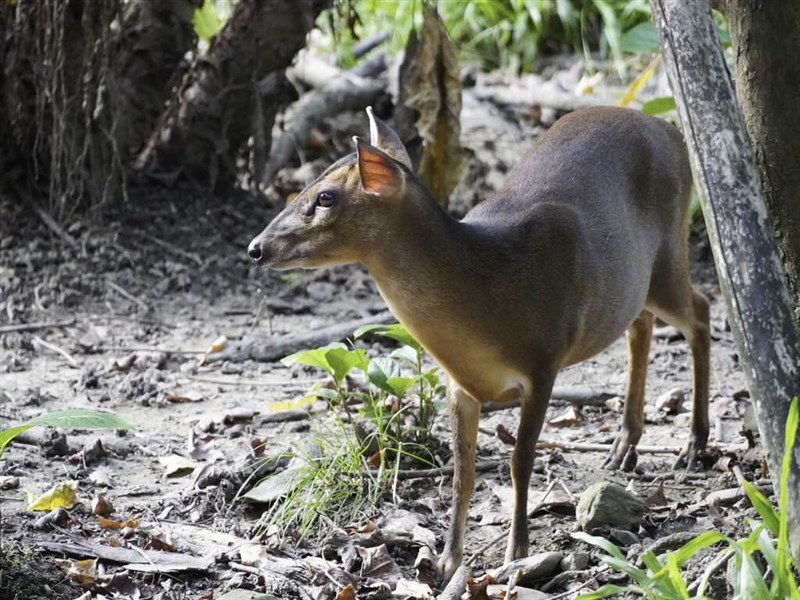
column 139, row 300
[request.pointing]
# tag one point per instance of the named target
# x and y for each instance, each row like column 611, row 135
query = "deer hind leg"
column 464, row 416
column 623, row 452
column 683, row 307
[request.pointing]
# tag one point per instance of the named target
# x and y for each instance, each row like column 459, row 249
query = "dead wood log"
column 579, row 395
column 267, row 349
column 532, row 91
column 348, row 92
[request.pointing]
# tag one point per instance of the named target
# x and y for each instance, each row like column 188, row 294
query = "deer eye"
column 326, row 199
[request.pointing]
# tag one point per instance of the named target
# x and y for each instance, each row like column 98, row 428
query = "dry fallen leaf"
column 504, row 435
column 82, row 571
column 347, row 593
column 434, row 90
column 102, row 506
column 61, row 495
column 569, row 418
column 133, row 523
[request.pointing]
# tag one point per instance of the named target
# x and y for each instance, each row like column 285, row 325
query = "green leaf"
column 675, row 576
column 600, row 542
column 401, row 385
column 380, row 370
column 658, row 106
column 205, row 21
column 342, row 361
column 334, row 358
column 605, row 591
column 316, row 357
column 693, row 546
column 640, row 38
column 76, row 418
column 763, row 507
column 394, row 331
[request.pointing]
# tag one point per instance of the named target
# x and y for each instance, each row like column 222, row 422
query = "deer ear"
column 380, row 173
column 384, row 138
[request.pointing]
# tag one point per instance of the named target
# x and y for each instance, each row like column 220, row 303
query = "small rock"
column 623, row 537
column 229, row 368
column 577, row 561
column 534, row 568
column 610, row 505
column 672, row 402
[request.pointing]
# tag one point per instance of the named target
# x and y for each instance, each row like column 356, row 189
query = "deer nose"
column 255, row 251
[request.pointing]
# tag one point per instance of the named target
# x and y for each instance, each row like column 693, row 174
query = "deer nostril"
column 255, row 250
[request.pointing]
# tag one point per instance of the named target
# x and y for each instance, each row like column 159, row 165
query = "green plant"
column 354, row 458
column 768, row 543
column 78, row 418
column 497, row 33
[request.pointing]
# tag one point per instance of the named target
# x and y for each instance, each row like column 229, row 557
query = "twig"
column 240, row 381
column 173, row 248
column 142, row 349
column 126, row 294
column 35, row 326
column 268, row 349
column 486, row 465
column 57, row 229
column 56, row 349
column 493, row 542
column 577, row 447
column 579, row 395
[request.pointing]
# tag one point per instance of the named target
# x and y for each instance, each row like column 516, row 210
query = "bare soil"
column 138, row 301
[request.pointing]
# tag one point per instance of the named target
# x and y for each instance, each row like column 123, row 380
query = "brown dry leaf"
column 504, row 435
column 657, row 498
column 569, row 418
column 478, row 588
column 133, row 522
column 434, row 91
column 376, row 562
column 82, row 571
column 102, row 506
column 361, row 528
column 178, row 399
column 160, row 540
column 258, row 447
column 347, row 593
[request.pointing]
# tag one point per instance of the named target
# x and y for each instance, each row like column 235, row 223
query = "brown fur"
column 586, row 240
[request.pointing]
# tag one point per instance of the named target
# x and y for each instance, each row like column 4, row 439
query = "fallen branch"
column 535, row 91
column 23, row 327
column 267, row 349
column 57, row 229
column 579, row 395
column 37, row 341
column 480, row 467
column 348, row 92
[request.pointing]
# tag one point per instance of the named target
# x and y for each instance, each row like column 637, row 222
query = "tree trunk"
column 766, row 44
column 212, row 117
column 751, row 275
column 57, row 86
column 154, row 37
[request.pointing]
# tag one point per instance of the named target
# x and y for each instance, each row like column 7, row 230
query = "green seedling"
column 768, row 544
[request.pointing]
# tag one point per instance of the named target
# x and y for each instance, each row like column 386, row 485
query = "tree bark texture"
column 154, row 37
column 56, row 96
column 211, row 120
column 766, row 43
column 751, row 275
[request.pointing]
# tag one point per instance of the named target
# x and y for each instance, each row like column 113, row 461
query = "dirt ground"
column 135, row 304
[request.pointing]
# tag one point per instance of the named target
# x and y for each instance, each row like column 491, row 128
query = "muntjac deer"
column 585, row 241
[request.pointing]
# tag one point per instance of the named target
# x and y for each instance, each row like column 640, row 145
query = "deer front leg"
column 532, row 412
column 464, row 415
